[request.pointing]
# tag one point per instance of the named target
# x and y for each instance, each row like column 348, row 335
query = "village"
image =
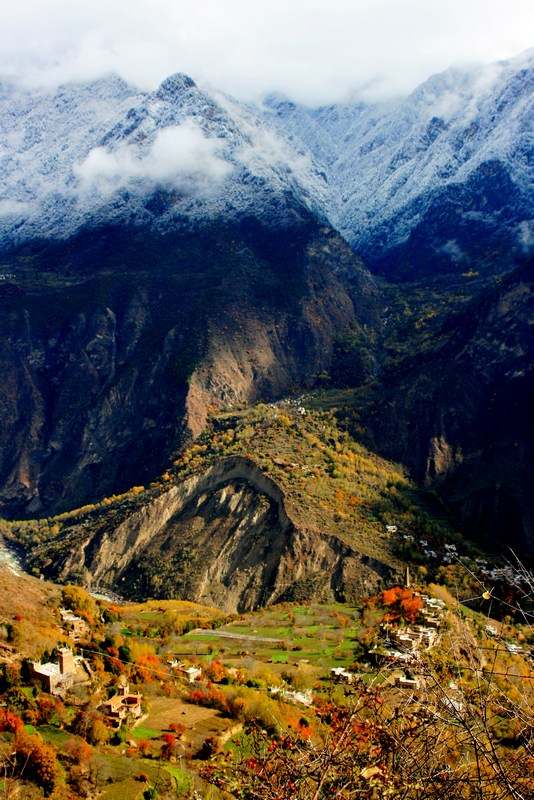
column 156, row 689
column 400, row 647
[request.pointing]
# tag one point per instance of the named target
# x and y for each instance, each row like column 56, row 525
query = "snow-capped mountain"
column 104, row 153
column 441, row 176
column 163, row 253
column 439, row 181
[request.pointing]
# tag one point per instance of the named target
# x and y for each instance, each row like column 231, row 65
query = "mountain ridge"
column 167, row 252
column 392, row 168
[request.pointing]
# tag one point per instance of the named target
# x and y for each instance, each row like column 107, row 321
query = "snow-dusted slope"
column 453, row 161
column 440, row 180
column 103, row 153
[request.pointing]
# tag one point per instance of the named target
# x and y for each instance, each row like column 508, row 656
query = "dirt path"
column 228, row 635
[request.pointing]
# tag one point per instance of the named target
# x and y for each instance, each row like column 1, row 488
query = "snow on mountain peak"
column 175, row 85
column 180, row 156
column 70, row 157
column 94, row 153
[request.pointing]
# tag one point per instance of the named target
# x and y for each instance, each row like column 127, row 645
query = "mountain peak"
column 175, row 85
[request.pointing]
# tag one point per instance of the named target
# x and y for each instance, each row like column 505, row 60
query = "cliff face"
column 222, row 537
column 461, row 416
column 105, row 375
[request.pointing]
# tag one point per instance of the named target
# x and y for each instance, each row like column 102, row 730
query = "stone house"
column 78, row 629
column 123, row 705
column 56, row 678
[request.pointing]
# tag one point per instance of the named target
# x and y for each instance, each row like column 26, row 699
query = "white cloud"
column 526, row 235
column 180, row 156
column 12, row 208
column 313, row 50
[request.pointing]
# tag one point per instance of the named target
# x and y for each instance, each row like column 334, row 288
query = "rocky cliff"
column 460, row 416
column 222, row 537
column 114, row 357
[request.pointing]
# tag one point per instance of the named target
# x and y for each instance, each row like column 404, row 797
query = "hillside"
column 272, row 503
column 211, row 697
column 28, row 615
column 111, row 360
column 171, row 254
column 458, row 414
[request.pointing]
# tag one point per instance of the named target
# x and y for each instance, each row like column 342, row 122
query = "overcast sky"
column 314, row 51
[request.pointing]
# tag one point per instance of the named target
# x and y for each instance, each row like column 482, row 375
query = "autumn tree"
column 35, row 760
column 401, row 603
column 365, row 748
column 170, row 746
column 145, row 748
column 178, row 728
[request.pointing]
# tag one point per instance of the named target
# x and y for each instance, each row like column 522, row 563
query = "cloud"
column 180, row 156
column 315, row 51
column 526, row 235
column 13, row 208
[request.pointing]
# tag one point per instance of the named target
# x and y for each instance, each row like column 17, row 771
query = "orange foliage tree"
column 401, row 603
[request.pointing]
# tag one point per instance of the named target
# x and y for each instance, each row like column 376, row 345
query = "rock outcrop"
column 461, row 415
column 222, row 537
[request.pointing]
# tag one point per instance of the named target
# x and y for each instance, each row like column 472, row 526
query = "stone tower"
column 66, row 661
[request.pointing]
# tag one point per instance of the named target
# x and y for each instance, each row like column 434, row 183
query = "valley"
column 209, row 684
column 266, row 442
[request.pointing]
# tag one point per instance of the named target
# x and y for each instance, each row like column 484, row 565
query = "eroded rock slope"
column 222, row 537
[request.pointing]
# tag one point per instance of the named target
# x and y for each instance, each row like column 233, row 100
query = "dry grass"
column 29, row 607
column 200, row 722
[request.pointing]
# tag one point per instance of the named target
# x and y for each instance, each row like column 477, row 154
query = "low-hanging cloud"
column 13, row 208
column 180, row 157
column 313, row 51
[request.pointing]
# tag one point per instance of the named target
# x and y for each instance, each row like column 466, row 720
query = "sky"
column 313, row 51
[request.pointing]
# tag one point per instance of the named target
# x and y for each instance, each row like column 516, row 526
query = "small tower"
column 66, row 661
column 406, row 577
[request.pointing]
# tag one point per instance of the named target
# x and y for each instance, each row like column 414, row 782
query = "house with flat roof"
column 56, row 678
column 122, row 706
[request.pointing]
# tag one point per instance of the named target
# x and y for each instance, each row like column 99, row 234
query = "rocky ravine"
column 222, row 537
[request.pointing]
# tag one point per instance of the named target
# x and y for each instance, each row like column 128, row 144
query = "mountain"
column 162, row 253
column 103, row 153
column 460, row 414
column 170, row 252
column 272, row 502
column 438, row 182
column 105, row 375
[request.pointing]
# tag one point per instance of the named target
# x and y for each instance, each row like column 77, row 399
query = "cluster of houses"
column 403, row 644
column 77, row 628
column 451, row 554
column 191, row 672
column 57, row 677
column 506, row 574
column 293, row 696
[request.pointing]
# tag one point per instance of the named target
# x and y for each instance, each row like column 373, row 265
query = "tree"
column 178, row 728
column 35, row 760
column 170, row 746
column 365, row 748
column 99, row 733
column 145, row 748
